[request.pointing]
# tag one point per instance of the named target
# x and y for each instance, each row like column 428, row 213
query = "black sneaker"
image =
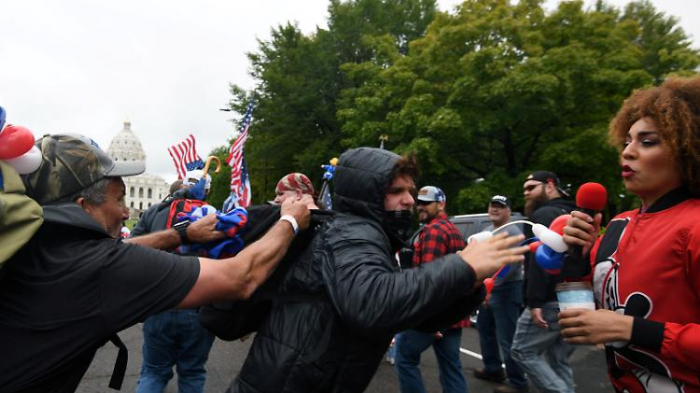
column 487, row 376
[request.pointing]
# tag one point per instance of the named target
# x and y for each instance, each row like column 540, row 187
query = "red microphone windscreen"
column 591, row 196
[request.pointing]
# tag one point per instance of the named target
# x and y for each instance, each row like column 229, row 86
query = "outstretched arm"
column 488, row 256
column 240, row 276
column 368, row 295
column 200, row 231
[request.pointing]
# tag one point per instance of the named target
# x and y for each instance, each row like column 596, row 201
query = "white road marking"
column 470, row 353
column 475, row 355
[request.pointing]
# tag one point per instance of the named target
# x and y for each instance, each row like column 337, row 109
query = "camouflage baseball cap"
column 71, row 163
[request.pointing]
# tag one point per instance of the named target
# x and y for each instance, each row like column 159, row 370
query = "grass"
column 130, row 224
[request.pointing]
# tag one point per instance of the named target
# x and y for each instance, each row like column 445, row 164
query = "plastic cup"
column 575, row 295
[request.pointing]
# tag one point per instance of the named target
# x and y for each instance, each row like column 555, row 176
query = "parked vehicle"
column 468, row 224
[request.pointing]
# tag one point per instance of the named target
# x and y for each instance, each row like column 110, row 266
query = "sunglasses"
column 532, row 187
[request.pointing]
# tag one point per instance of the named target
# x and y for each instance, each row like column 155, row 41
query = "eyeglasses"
column 532, row 187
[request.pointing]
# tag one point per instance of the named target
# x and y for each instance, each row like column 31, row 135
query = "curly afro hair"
column 675, row 109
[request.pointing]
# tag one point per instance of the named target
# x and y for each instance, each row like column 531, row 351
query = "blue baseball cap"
column 431, row 194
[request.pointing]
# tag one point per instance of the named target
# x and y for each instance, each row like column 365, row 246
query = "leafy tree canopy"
column 494, row 91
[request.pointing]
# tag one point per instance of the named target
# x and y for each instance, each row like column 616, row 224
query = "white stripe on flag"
column 182, row 154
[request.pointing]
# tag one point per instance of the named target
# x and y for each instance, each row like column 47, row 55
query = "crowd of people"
column 340, row 298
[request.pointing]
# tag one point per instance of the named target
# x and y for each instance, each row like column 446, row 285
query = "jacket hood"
column 361, row 179
column 72, row 215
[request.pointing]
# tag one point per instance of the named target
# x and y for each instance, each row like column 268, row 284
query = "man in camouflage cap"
column 72, row 163
column 75, row 284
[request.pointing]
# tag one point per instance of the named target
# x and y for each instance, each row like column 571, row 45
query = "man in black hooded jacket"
column 343, row 298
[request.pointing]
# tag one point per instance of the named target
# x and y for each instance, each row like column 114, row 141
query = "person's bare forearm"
column 238, row 277
column 257, row 262
column 200, row 231
column 162, row 240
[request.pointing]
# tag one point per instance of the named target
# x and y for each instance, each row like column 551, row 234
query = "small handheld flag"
column 240, row 183
column 185, row 156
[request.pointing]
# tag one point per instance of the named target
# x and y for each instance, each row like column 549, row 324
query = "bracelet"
column 290, row 219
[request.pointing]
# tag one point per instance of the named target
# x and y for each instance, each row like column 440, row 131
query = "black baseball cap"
column 501, row 200
column 546, row 177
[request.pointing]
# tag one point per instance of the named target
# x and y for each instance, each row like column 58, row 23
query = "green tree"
column 665, row 46
column 300, row 79
column 483, row 96
column 499, row 89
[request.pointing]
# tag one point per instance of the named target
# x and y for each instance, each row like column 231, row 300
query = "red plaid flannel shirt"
column 438, row 237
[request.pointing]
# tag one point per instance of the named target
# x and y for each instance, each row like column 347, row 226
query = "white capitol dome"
column 144, row 190
column 126, row 146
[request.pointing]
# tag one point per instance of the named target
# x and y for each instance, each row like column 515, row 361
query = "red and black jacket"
column 647, row 265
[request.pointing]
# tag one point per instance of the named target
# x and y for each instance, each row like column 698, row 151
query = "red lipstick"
column 627, row 172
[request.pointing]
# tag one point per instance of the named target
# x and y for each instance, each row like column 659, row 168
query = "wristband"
column 290, row 219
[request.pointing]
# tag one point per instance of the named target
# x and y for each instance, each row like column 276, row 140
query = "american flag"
column 185, row 156
column 240, row 183
column 325, row 199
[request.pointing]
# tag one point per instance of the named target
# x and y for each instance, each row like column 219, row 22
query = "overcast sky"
column 86, row 66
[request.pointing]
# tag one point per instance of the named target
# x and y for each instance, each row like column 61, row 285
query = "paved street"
column 226, row 359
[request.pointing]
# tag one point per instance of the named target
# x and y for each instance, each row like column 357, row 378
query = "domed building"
column 144, row 190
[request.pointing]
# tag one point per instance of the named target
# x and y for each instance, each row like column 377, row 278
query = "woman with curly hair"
column 646, row 268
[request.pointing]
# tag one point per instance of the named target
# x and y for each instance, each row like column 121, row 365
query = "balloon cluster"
column 17, row 147
column 548, row 247
column 549, row 250
column 489, row 282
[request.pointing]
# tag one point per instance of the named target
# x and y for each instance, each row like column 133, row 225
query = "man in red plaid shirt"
column 437, row 238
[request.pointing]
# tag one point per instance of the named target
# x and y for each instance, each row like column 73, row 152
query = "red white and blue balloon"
column 17, row 147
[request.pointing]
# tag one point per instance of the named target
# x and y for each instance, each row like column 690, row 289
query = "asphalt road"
column 226, row 358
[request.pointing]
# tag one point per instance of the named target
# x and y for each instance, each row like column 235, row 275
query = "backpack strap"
column 176, row 206
column 115, row 382
column 182, row 205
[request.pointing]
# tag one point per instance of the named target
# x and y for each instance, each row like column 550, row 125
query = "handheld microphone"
column 590, row 199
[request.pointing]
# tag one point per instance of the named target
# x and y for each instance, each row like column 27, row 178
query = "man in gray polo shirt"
column 498, row 315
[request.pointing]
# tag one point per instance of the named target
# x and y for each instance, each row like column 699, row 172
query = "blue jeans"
column 391, row 352
column 174, row 338
column 496, row 324
column 409, row 347
column 542, row 353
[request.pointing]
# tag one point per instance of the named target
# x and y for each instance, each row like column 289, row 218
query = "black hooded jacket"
column 343, row 298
